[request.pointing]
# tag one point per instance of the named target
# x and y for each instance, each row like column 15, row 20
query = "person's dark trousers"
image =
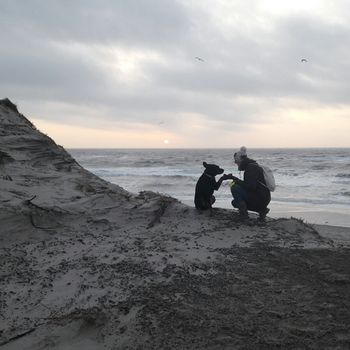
column 239, row 195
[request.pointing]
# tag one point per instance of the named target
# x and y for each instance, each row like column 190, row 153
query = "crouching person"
column 251, row 193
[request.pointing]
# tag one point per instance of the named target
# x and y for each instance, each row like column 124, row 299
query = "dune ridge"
column 85, row 264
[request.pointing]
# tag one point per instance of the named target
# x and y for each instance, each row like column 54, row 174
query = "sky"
column 179, row 73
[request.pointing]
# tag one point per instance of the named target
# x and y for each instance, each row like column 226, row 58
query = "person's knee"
column 236, row 190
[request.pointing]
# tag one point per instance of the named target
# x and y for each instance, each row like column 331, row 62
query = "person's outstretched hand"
column 234, row 178
column 226, row 176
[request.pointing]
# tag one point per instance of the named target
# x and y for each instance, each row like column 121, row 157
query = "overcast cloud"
column 117, row 64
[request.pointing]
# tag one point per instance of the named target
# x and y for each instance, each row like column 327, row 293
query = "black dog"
column 206, row 185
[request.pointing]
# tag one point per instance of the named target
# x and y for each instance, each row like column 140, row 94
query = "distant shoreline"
column 200, row 149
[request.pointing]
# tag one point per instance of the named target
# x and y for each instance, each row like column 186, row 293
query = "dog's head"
column 212, row 169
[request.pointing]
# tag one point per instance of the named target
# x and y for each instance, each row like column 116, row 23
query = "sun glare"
column 127, row 64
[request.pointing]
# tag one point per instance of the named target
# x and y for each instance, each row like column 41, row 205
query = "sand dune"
column 85, row 264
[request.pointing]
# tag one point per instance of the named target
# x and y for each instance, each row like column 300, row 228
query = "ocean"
column 312, row 184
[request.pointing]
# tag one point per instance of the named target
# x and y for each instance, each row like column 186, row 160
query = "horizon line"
column 199, row 148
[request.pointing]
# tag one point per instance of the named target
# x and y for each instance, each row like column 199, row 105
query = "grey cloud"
column 47, row 73
column 269, row 65
column 132, row 22
column 264, row 65
column 31, row 66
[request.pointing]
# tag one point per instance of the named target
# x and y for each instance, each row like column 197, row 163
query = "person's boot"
column 263, row 213
column 243, row 211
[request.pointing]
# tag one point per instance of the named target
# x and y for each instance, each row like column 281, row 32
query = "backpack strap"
column 261, row 183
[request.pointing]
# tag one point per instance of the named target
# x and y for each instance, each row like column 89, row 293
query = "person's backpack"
column 269, row 178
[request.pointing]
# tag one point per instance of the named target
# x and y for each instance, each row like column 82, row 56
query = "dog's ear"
column 205, row 164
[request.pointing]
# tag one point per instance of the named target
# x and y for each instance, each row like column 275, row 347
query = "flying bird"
column 199, row 59
column 303, row 60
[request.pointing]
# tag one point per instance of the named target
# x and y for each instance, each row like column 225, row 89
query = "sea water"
column 312, row 184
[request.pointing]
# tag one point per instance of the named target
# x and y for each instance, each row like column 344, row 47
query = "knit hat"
column 242, row 153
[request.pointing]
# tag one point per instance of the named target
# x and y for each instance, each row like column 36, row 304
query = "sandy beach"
column 87, row 265
column 314, row 215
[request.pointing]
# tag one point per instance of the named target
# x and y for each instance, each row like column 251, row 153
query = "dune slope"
column 85, row 264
